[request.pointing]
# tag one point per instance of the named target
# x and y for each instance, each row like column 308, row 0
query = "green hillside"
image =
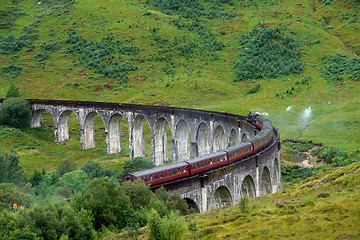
column 197, row 54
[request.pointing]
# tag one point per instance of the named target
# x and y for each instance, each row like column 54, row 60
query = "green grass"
column 204, row 79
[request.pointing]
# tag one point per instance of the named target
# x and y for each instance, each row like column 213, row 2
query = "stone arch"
column 88, row 138
column 265, row 181
column 114, row 145
column 248, row 187
column 219, row 139
column 161, row 141
column 36, row 118
column 203, row 140
column 276, row 174
column 233, row 138
column 138, row 140
column 222, row 197
column 244, row 137
column 182, row 141
column 62, row 132
column 192, row 205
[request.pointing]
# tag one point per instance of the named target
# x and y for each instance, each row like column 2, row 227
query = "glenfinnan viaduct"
column 194, row 133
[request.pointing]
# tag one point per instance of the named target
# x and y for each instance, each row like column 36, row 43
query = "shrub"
column 15, row 112
column 337, row 66
column 267, row 53
column 137, row 164
column 11, row 71
column 171, row 227
column 13, row 91
column 254, row 88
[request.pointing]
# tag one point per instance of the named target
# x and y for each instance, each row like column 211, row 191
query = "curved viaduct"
column 194, row 133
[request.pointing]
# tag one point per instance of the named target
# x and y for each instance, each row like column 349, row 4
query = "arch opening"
column 244, row 138
column 248, row 187
column 182, row 142
column 192, row 205
column 203, row 140
column 141, row 135
column 219, row 139
column 233, row 138
column 265, row 186
column 222, row 197
column 94, row 128
column 162, row 139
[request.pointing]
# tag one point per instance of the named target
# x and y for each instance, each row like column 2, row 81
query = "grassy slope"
column 198, row 82
column 297, row 212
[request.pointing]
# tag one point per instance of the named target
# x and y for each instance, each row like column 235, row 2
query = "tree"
column 10, row 171
column 108, row 204
column 14, row 171
column 92, row 169
column 65, row 166
column 13, row 91
column 15, row 112
column 137, row 164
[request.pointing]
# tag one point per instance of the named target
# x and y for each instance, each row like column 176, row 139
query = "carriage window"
column 174, row 171
column 198, row 165
column 202, row 164
column 184, row 169
column 151, row 177
column 193, row 166
column 161, row 174
column 179, row 171
column 218, row 159
column 156, row 176
column 169, row 173
column 205, row 162
column 145, row 179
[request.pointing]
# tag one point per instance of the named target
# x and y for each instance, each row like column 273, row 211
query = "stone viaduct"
column 194, row 133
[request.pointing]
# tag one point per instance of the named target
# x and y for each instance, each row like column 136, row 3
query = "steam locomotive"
column 200, row 165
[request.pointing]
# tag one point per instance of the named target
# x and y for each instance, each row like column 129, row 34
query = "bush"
column 11, row 71
column 254, row 88
column 337, row 66
column 15, row 112
column 137, row 164
column 267, row 53
column 13, row 91
column 171, row 227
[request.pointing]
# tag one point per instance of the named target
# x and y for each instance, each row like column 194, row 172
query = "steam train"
column 199, row 165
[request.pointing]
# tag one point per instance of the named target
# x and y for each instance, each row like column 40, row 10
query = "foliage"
column 193, row 8
column 171, row 227
column 15, row 112
column 23, row 235
column 254, row 89
column 108, row 204
column 100, row 56
column 173, row 202
column 11, row 71
column 336, row 67
column 10, row 170
column 295, row 173
column 13, row 91
column 10, row 194
column 51, row 221
column 65, row 166
column 137, row 164
column 334, row 156
column 267, row 53
column 9, row 15
column 243, row 203
column 138, row 193
column 76, row 182
column 10, row 44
